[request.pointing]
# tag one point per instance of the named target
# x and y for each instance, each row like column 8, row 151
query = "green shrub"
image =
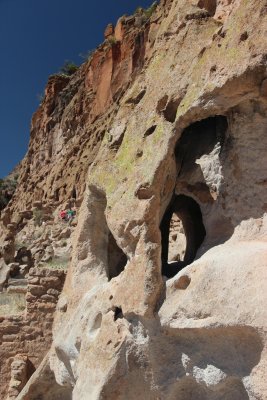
column 146, row 13
column 150, row 10
column 69, row 68
column 139, row 10
column 111, row 41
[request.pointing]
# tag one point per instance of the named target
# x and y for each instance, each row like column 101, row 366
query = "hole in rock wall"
column 74, row 193
column 184, row 219
column 117, row 260
column 198, row 139
column 171, row 109
column 118, row 314
column 104, row 247
column 182, row 227
column 56, row 195
column 208, row 5
column 150, row 130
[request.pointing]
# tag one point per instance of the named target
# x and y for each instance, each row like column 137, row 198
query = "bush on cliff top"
column 68, row 68
column 147, row 13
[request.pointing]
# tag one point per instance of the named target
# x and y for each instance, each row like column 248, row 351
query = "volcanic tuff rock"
column 170, row 115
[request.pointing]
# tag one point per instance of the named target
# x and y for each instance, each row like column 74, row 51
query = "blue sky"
column 36, row 37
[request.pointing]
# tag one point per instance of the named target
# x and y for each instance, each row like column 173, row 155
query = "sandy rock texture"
column 174, row 112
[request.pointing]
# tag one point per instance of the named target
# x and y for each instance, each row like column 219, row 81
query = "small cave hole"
column 117, row 259
column 244, row 36
column 209, row 5
column 117, row 313
column 171, row 109
column 56, row 195
column 150, row 130
column 74, row 193
column 161, row 105
column 200, row 137
column 137, row 99
column 168, row 108
column 182, row 233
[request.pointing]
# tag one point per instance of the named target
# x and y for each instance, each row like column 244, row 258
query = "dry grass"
column 12, row 303
column 57, row 263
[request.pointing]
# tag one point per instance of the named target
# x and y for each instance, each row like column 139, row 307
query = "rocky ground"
column 159, row 143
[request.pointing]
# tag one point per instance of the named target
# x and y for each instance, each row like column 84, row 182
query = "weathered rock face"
column 178, row 121
column 76, row 112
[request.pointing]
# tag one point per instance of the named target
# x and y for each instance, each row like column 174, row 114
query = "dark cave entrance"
column 117, row 259
column 198, row 139
column 187, row 211
column 74, row 193
column 182, row 227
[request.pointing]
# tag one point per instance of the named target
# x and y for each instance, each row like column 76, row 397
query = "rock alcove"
column 182, row 225
column 104, row 245
column 117, row 260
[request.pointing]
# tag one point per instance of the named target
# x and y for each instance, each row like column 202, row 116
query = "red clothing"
column 63, row 214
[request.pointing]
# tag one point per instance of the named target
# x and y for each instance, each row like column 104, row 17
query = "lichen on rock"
column 164, row 133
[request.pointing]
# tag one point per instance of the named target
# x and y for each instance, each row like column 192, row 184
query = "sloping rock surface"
column 170, row 116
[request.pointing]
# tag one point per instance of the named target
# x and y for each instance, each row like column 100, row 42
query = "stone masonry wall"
column 25, row 338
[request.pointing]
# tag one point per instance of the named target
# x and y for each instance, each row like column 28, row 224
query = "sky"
column 36, row 37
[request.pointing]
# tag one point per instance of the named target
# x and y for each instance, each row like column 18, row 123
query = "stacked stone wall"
column 25, row 338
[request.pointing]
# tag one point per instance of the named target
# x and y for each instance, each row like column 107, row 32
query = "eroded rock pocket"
column 103, row 245
column 117, row 259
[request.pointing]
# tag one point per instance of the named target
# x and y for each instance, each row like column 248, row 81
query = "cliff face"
column 76, row 112
column 164, row 297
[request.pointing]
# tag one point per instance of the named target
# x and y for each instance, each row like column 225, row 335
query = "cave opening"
column 209, row 5
column 103, row 246
column 184, row 219
column 182, row 227
column 117, row 259
column 74, row 193
column 198, row 139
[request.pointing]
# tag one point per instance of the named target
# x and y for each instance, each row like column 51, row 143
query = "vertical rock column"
column 18, row 376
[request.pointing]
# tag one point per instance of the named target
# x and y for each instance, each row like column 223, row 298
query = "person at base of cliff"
column 63, row 215
column 70, row 215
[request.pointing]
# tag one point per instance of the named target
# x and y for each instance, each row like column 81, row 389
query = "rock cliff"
column 159, row 141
